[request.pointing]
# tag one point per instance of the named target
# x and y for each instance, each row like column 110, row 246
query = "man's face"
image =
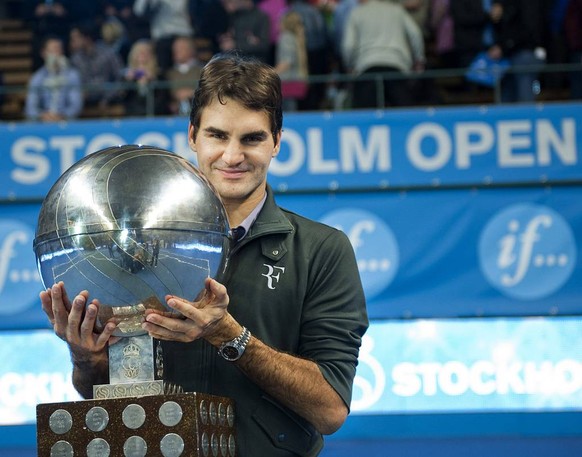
column 234, row 147
column 76, row 41
column 53, row 48
column 182, row 51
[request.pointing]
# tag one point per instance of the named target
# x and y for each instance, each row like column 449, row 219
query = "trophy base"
column 187, row 424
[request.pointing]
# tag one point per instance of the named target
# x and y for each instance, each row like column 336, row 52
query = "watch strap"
column 233, row 350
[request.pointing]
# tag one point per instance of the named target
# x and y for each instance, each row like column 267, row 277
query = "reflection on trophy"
column 132, row 224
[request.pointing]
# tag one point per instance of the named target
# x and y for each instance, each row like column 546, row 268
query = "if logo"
column 273, row 275
column 17, row 267
column 374, row 244
column 527, row 251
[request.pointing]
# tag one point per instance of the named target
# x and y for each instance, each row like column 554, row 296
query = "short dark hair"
column 88, row 29
column 51, row 37
column 247, row 80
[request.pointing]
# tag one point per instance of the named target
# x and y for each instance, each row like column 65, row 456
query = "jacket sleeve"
column 335, row 316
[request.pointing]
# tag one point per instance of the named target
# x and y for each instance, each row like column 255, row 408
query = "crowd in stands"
column 102, row 52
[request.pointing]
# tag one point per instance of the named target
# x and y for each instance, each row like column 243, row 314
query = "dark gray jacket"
column 294, row 283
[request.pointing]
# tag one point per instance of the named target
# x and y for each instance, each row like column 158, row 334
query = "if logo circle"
column 19, row 278
column 527, row 251
column 374, row 245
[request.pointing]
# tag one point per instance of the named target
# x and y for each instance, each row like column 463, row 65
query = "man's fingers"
column 88, row 323
column 77, row 313
column 105, row 336
column 66, row 301
column 47, row 305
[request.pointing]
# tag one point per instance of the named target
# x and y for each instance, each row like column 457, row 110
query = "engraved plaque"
column 97, row 419
column 60, row 421
column 135, row 446
column 170, row 413
column 212, row 413
column 223, row 445
column 205, row 444
column 230, row 415
column 214, row 445
column 221, row 414
column 62, row 449
column 232, row 446
column 203, row 412
column 98, row 447
column 133, row 416
column 172, row 445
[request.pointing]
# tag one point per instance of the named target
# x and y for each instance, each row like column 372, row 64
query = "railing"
column 444, row 87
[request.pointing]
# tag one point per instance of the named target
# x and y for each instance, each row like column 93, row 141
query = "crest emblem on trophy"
column 132, row 224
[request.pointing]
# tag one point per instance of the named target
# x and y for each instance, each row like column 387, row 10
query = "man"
column 520, row 36
column 249, row 29
column 54, row 91
column 381, row 37
column 168, row 19
column 183, row 76
column 100, row 67
column 291, row 298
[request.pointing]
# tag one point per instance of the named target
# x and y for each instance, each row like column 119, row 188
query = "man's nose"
column 233, row 153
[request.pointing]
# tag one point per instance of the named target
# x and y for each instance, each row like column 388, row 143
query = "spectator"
column 114, row 35
column 381, row 37
column 474, row 22
column 573, row 28
column 46, row 17
column 340, row 16
column 556, row 44
column 419, row 11
column 215, row 22
column 318, row 51
column 275, row 10
column 168, row 19
column 442, row 28
column 520, row 37
column 122, row 10
column 291, row 60
column 142, row 70
column 100, row 67
column 54, row 91
column 249, row 30
column 183, row 76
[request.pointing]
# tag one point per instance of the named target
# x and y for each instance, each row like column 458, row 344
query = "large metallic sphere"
column 131, row 224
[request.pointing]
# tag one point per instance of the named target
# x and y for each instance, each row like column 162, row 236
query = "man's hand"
column 75, row 324
column 206, row 318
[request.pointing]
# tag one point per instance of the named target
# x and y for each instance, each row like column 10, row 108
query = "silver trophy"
column 131, row 224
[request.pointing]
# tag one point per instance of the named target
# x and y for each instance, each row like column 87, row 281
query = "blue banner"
column 35, row 368
column 470, row 365
column 441, row 253
column 330, row 151
column 416, row 366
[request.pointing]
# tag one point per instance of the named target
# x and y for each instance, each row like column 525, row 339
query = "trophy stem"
column 132, row 369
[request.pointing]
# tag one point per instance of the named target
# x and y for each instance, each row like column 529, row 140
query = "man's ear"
column 277, row 147
column 192, row 137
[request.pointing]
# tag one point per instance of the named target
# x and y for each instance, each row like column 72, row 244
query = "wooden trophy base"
column 185, row 424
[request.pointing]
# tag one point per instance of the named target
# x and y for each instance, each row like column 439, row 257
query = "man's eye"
column 253, row 139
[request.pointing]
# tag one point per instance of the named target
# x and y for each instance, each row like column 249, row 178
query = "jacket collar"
column 271, row 220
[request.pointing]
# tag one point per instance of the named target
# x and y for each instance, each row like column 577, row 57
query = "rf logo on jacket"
column 273, row 274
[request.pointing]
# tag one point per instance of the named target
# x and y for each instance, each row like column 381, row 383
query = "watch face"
column 230, row 352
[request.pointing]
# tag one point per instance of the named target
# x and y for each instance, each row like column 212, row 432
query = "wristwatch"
column 233, row 350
